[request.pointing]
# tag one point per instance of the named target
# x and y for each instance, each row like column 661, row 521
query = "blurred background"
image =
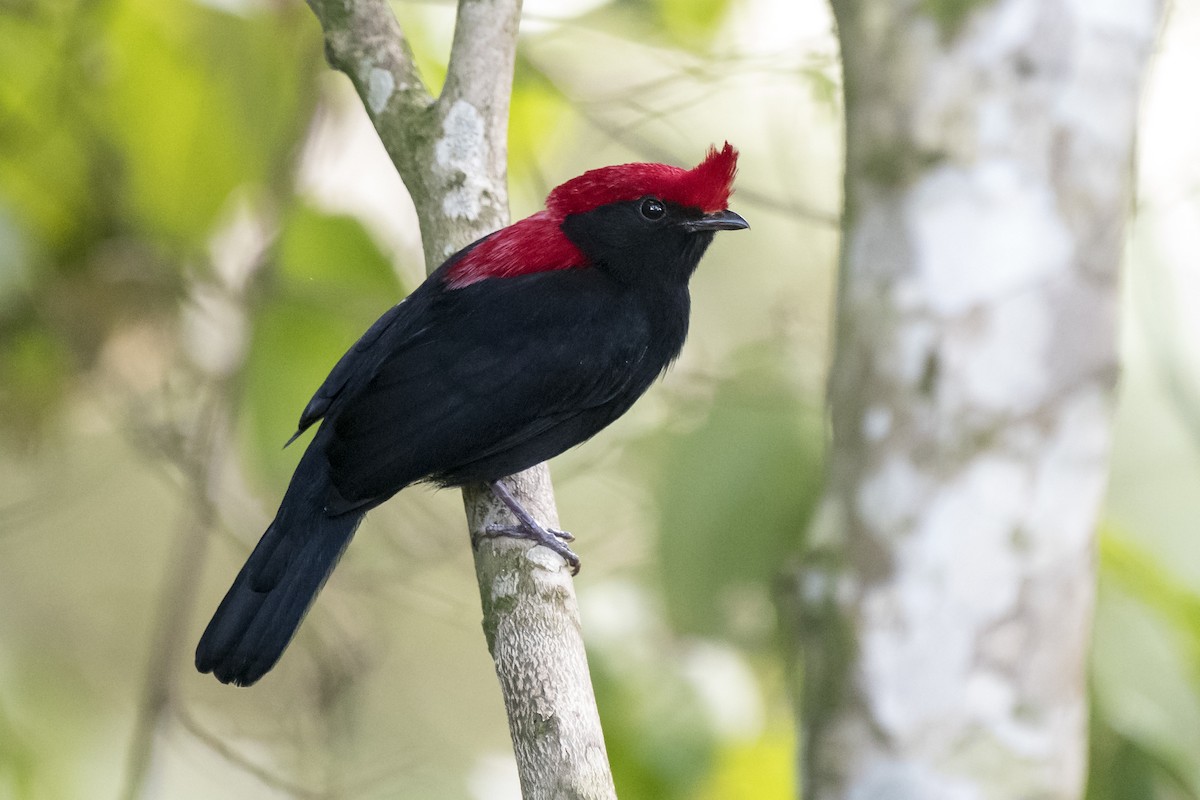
column 196, row 219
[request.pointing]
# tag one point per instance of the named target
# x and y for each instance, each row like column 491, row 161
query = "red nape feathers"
column 536, row 243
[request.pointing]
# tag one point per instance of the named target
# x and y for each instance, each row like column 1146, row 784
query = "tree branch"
column 945, row 604
column 364, row 41
column 531, row 620
column 452, row 156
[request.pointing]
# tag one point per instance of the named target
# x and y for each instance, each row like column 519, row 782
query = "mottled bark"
column 451, row 153
column 945, row 601
column 532, row 624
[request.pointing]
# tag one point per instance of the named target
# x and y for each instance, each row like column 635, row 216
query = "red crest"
column 536, row 243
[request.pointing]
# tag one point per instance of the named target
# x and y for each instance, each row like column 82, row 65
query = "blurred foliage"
column 329, row 283
column 18, row 765
column 1125, row 762
column 539, row 122
column 189, row 123
column 689, row 24
column 126, row 125
column 734, row 492
column 139, row 141
column 133, row 135
column 1135, row 571
column 756, row 770
column 659, row 743
column 1122, row 768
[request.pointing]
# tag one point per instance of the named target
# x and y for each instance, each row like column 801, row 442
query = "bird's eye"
column 652, row 208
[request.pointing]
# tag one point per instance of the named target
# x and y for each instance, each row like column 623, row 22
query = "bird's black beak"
column 719, row 221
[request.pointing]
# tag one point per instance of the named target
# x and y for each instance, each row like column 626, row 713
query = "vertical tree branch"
column 945, row 604
column 452, row 155
column 532, row 624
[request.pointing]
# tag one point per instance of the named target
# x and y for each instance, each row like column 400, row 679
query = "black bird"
column 520, row 346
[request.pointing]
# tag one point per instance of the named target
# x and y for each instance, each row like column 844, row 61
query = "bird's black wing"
column 389, row 331
column 489, row 368
column 354, row 361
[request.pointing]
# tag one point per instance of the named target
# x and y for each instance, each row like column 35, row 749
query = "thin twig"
column 178, row 592
column 230, row 754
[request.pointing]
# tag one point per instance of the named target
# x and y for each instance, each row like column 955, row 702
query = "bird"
column 520, row 346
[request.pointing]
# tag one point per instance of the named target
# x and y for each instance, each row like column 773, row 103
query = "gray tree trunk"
column 452, row 154
column 944, row 605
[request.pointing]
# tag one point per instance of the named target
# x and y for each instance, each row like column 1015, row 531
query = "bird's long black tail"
column 264, row 607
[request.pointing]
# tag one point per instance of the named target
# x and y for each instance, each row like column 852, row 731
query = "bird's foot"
column 528, row 528
column 519, row 532
column 547, row 537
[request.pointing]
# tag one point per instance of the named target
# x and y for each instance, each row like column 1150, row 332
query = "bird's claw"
column 547, row 537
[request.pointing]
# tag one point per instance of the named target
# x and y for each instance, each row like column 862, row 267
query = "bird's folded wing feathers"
column 352, row 361
column 459, row 392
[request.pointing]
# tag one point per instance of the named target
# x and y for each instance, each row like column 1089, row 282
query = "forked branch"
column 451, row 153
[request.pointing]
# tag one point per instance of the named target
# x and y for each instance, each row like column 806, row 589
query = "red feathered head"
column 537, row 243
